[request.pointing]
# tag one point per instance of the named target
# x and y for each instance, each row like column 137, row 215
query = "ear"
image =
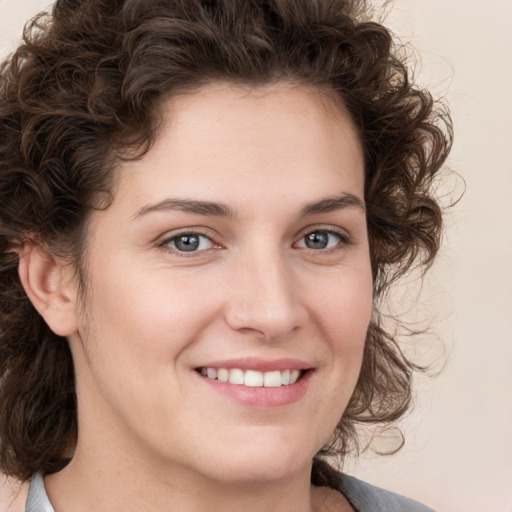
column 50, row 285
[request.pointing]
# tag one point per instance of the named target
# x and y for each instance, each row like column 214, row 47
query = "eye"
column 322, row 240
column 188, row 242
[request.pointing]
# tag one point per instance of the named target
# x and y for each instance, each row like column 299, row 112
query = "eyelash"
column 343, row 241
column 186, row 254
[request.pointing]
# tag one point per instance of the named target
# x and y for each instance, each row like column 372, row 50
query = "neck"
column 114, row 486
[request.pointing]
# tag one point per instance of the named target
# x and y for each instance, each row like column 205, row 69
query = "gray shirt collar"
column 37, row 500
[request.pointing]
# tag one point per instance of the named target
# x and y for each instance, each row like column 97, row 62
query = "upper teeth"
column 252, row 378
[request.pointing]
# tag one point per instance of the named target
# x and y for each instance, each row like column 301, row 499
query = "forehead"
column 224, row 139
column 248, row 109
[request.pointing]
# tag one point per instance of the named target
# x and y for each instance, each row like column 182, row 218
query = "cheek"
column 344, row 311
column 148, row 317
column 344, row 306
column 137, row 330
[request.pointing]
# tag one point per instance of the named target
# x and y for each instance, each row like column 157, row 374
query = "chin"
column 259, row 464
column 250, row 473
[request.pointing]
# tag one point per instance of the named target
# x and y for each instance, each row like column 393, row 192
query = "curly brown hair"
column 84, row 90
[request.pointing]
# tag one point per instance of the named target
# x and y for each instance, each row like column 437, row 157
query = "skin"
column 151, row 432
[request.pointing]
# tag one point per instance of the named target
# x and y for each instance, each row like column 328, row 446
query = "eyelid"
column 342, row 234
column 344, row 237
column 200, row 232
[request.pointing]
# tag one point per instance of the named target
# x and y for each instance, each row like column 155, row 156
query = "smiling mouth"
column 253, row 378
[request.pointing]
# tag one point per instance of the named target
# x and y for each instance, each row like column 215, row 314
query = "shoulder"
column 365, row 497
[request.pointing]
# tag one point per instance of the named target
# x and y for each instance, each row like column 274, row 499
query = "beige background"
column 458, row 452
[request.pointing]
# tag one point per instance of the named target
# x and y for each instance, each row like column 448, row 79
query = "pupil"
column 317, row 240
column 187, row 242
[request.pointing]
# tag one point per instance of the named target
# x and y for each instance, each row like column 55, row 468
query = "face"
column 229, row 288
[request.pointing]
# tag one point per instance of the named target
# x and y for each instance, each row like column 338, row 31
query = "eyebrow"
column 331, row 204
column 209, row 208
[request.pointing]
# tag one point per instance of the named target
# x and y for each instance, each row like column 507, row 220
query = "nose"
column 264, row 298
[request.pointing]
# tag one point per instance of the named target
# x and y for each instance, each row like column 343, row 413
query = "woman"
column 202, row 205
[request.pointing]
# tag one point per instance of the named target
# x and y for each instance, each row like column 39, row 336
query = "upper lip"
column 262, row 365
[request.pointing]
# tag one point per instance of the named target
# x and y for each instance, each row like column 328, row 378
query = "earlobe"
column 48, row 284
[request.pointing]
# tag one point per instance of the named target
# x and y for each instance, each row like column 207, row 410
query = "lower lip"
column 261, row 396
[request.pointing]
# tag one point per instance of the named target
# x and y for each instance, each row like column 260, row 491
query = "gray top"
column 37, row 500
column 362, row 496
